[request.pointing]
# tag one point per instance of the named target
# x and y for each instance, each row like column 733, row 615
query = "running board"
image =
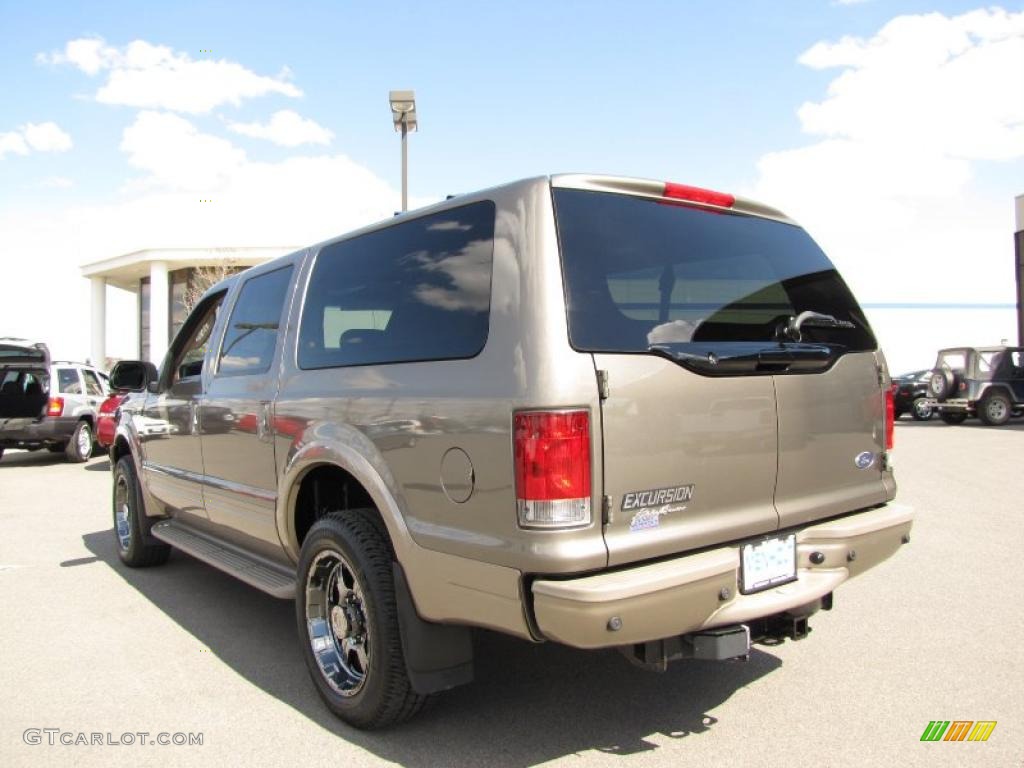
column 269, row 577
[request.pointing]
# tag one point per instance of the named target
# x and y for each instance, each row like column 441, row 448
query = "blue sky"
column 706, row 93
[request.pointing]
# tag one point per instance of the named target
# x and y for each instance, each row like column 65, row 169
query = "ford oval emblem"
column 864, row 460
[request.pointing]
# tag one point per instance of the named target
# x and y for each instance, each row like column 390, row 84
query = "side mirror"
column 133, row 376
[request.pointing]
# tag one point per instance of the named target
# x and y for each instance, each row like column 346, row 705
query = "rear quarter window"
column 68, row 381
column 414, row 291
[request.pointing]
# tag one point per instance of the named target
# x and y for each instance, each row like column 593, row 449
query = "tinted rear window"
column 417, row 290
column 641, row 272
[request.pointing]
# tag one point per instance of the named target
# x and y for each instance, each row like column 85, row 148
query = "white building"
column 159, row 278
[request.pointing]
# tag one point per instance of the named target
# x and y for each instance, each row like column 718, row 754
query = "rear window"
column 642, row 272
column 417, row 290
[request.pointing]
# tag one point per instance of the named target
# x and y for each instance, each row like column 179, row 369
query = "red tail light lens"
column 552, row 468
column 55, row 407
column 698, row 195
column 890, row 420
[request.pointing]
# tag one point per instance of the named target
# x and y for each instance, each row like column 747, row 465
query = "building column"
column 159, row 311
column 98, row 316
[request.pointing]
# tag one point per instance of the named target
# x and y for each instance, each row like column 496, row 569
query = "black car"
column 910, row 395
column 987, row 382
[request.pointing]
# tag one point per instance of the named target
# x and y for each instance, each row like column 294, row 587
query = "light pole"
column 403, row 114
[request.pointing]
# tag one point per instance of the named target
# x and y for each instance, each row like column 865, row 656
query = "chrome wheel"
column 922, row 411
column 83, row 441
column 336, row 622
column 122, row 520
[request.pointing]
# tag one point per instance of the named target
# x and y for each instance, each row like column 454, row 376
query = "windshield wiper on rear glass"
column 791, row 330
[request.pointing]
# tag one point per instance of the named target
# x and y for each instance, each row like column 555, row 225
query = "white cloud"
column 287, row 129
column 150, row 76
column 13, row 143
column 56, row 182
column 40, row 137
column 899, row 184
column 176, row 155
column 46, row 137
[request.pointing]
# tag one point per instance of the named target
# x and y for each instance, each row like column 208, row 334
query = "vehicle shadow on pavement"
column 42, row 458
column 529, row 703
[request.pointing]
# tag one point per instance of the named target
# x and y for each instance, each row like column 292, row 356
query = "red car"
column 106, row 419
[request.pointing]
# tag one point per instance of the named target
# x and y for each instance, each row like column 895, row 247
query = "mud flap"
column 437, row 656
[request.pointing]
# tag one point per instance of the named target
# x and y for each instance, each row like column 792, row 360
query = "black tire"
column 995, row 409
column 76, row 449
column 953, row 417
column 129, row 536
column 1, row 452
column 919, row 411
column 371, row 690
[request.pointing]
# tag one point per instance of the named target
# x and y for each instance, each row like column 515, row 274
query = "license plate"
column 768, row 563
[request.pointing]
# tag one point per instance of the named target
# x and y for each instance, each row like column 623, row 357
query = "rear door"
column 709, row 405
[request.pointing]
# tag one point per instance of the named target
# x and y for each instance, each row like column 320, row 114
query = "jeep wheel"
column 348, row 621
column 953, row 417
column 131, row 542
column 79, row 447
column 920, row 410
column 995, row 409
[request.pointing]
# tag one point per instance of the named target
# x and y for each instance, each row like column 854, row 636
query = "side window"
column 68, row 381
column 417, row 290
column 92, row 383
column 1017, row 360
column 188, row 361
column 252, row 333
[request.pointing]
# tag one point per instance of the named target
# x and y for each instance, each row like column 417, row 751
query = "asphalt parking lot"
column 90, row 646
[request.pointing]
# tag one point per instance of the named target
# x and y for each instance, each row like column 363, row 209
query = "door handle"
column 194, row 417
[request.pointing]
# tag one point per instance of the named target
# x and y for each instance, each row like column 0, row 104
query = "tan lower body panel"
column 456, row 590
column 676, row 596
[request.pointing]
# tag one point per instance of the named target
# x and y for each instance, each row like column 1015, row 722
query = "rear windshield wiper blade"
column 792, row 330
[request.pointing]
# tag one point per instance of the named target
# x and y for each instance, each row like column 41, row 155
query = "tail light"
column 698, row 195
column 890, row 420
column 552, row 468
column 55, row 407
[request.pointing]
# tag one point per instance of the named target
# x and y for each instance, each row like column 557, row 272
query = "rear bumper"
column 700, row 591
column 17, row 432
column 959, row 404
